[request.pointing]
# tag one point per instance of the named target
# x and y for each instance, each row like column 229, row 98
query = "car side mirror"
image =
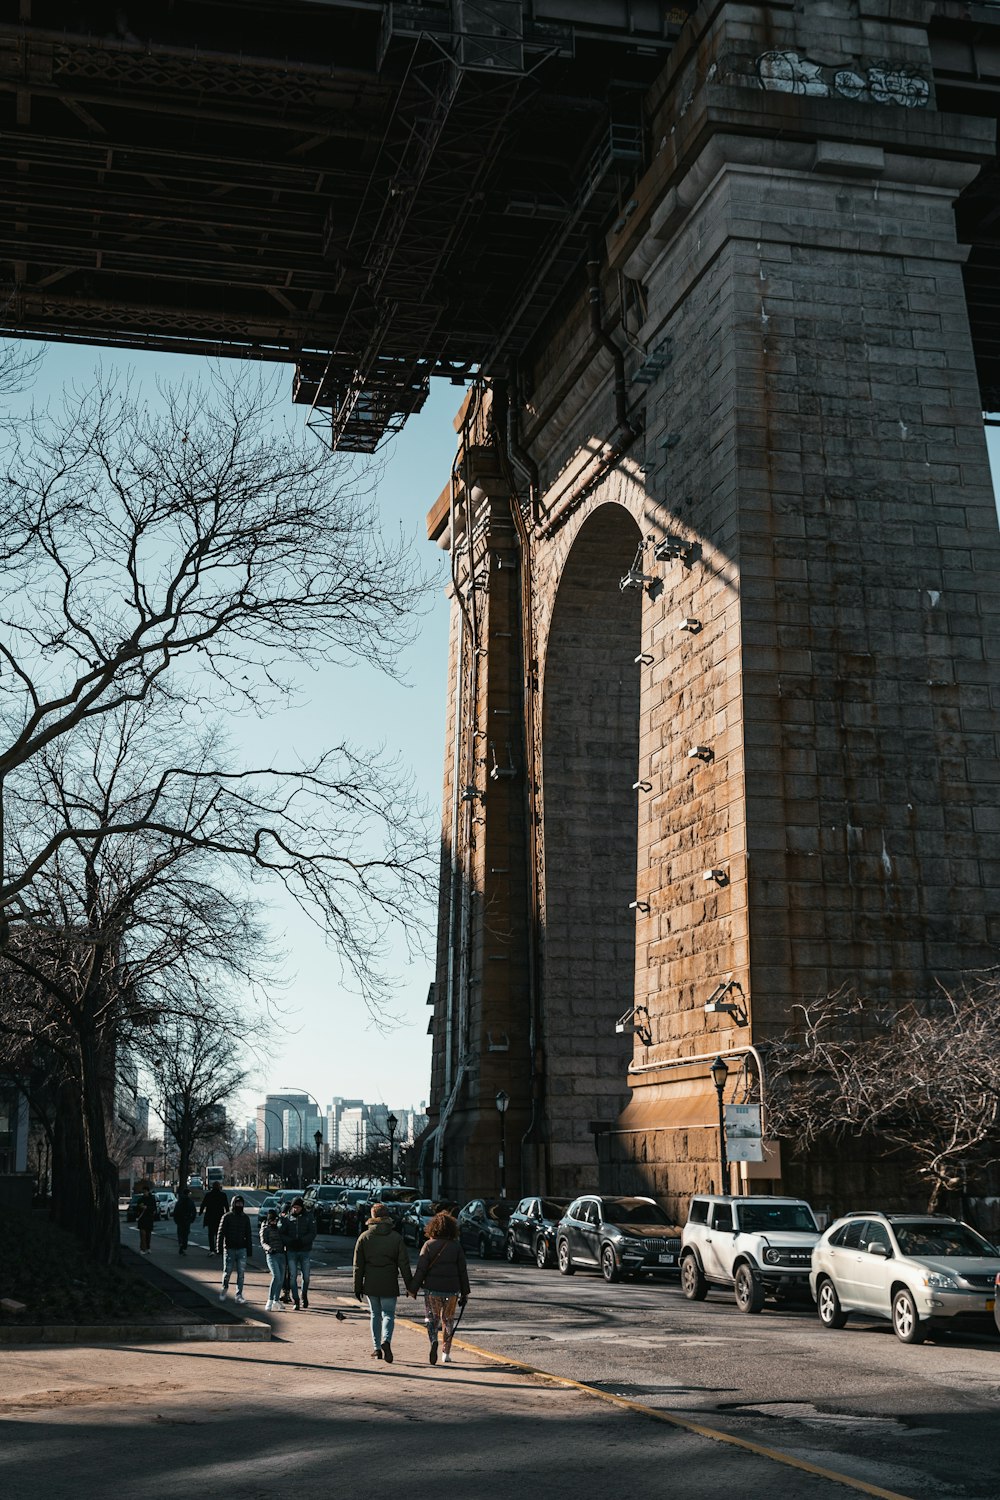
column 882, row 1251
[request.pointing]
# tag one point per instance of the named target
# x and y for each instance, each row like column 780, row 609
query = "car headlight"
column 773, row 1257
column 941, row 1279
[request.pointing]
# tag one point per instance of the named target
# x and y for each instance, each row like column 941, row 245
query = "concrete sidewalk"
column 312, row 1410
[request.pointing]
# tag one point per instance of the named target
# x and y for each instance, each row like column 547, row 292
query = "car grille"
column 654, row 1245
column 790, row 1258
column 984, row 1279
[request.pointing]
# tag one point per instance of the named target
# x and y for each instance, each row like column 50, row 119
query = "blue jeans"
column 276, row 1265
column 383, row 1311
column 298, row 1261
column 234, row 1260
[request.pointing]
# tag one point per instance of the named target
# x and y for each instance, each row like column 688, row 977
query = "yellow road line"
column 672, row 1420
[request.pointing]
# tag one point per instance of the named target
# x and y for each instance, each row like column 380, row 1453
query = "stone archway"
column 590, row 754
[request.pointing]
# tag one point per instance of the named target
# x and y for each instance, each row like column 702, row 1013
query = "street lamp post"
column 319, row 1111
column 503, row 1099
column 392, row 1122
column 318, row 1138
column 719, row 1075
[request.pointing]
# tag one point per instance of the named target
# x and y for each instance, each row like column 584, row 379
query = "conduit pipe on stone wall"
column 527, row 645
column 626, row 431
column 708, row 1057
column 520, row 458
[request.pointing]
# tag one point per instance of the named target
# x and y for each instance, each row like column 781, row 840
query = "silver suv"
column 760, row 1246
column 916, row 1270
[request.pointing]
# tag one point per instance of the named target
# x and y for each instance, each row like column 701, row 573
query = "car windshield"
column 398, row 1195
column 554, row 1208
column 632, row 1211
column 500, row 1212
column 918, row 1238
column 760, row 1217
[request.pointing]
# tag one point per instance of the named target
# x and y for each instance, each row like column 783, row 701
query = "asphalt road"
column 922, row 1421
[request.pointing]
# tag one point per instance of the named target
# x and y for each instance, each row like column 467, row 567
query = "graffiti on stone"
column 882, row 83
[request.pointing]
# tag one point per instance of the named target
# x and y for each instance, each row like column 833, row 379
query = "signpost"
column 743, row 1140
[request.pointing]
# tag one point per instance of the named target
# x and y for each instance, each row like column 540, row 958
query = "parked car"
column 758, row 1246
column 482, row 1226
column 132, row 1211
column 413, row 1224
column 270, row 1202
column 531, row 1232
column 350, row 1212
column 618, row 1236
column 921, row 1272
column 321, row 1199
column 166, row 1202
column 396, row 1199
column 196, row 1188
column 996, row 1301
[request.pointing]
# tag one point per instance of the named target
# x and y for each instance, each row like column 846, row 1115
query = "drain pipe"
column 622, row 421
column 519, row 456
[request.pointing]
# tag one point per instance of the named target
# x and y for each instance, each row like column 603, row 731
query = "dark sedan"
column 321, row 1199
column 349, row 1214
column 616, row 1236
column 531, row 1233
column 482, row 1226
column 413, row 1224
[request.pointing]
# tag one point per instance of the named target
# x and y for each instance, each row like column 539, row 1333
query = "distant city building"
column 271, row 1119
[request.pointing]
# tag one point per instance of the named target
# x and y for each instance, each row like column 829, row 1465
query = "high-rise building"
column 271, row 1119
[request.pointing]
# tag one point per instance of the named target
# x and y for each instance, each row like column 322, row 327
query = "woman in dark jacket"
column 444, row 1276
column 148, row 1213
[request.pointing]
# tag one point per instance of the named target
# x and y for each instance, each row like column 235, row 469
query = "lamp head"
column 503, row 1099
column 719, row 1073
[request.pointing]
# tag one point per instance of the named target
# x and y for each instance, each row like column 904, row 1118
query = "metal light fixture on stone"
column 720, row 877
column 669, row 548
column 701, row 752
column 642, row 786
column 644, row 659
column 635, row 579
column 690, row 624
column 642, row 906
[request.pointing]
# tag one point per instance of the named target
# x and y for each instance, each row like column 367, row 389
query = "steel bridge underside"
column 377, row 194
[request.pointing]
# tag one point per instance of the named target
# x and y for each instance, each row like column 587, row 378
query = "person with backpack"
column 214, row 1205
column 380, row 1259
column 185, row 1214
column 444, row 1276
column 272, row 1239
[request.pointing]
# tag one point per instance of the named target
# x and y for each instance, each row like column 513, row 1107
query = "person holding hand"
column 444, row 1276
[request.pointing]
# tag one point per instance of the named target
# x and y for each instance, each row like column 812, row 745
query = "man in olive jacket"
column 379, row 1259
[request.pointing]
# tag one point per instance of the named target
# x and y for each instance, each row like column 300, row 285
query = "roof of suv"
column 745, row 1198
column 878, row 1213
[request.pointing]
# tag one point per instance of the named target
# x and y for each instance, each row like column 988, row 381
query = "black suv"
column 617, row 1236
column 482, row 1226
column 321, row 1200
column 531, row 1233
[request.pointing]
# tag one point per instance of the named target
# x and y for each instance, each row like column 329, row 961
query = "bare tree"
column 197, row 1071
column 922, row 1080
column 199, row 551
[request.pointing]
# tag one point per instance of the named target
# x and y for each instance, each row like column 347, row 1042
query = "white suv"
column 758, row 1245
column 916, row 1270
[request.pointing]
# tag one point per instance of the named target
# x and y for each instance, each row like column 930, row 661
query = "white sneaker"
column 240, row 1297
column 268, row 1305
column 446, row 1359
column 223, row 1295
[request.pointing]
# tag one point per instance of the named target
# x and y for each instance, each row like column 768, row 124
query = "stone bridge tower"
column 725, row 561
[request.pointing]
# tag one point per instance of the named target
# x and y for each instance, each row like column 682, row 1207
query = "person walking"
column 283, row 1216
column 147, row 1213
column 272, row 1239
column 444, row 1276
column 380, row 1259
column 185, row 1214
column 235, row 1243
column 213, row 1206
column 300, row 1233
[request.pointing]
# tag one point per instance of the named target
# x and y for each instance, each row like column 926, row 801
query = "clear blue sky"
column 327, row 1045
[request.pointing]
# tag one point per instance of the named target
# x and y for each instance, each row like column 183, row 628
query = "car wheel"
column 484, row 1247
column 511, row 1249
column 831, row 1314
column 610, row 1269
column 541, row 1253
column 749, row 1292
column 693, row 1284
column 906, row 1319
column 564, row 1259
